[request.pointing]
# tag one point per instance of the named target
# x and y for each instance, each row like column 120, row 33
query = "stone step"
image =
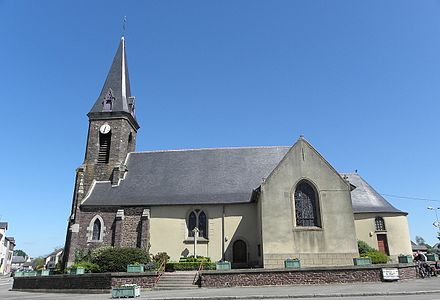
column 176, row 281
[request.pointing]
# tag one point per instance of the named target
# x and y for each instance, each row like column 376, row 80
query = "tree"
column 20, row 253
column 38, row 263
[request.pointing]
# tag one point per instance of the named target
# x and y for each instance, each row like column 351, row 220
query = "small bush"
column 116, row 259
column 363, row 248
column 151, row 266
column 188, row 266
column 377, row 257
column 161, row 257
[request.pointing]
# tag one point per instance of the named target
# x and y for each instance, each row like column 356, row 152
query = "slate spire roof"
column 115, row 96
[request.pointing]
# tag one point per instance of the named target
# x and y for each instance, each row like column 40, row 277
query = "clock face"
column 105, row 129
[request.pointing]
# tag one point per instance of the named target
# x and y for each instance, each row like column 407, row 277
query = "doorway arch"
column 239, row 252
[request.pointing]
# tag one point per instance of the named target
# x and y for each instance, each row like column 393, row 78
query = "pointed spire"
column 115, row 95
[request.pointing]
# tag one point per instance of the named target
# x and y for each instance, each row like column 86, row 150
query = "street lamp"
column 436, row 223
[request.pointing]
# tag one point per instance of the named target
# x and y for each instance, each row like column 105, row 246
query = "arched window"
column 306, row 205
column 96, row 229
column 96, row 235
column 197, row 218
column 380, row 224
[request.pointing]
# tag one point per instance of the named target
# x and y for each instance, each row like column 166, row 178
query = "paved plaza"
column 412, row 290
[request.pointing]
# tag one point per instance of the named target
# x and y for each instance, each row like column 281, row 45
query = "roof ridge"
column 209, row 149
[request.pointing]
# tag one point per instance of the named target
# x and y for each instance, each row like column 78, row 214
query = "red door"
column 382, row 243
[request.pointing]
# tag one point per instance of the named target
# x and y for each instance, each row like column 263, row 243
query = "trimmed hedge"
column 377, row 257
column 197, row 259
column 188, row 266
column 116, row 259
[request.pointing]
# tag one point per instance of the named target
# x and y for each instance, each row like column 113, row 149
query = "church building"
column 252, row 206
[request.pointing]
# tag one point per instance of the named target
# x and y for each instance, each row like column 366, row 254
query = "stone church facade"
column 253, row 206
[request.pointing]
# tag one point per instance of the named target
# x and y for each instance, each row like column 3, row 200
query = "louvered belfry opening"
column 104, row 148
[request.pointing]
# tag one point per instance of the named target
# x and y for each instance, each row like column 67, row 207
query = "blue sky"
column 360, row 79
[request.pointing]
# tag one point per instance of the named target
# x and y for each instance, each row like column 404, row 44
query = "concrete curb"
column 334, row 295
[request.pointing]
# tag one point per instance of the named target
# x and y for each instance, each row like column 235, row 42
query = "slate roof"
column 203, row 176
column 4, row 225
column 118, row 82
column 18, row 259
column 209, row 176
column 365, row 198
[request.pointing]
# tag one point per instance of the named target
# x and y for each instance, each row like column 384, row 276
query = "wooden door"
column 382, row 243
column 239, row 251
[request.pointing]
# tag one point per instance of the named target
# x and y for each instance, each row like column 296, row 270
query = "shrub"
column 151, row 266
column 88, row 266
column 160, row 257
column 377, row 257
column 363, row 248
column 83, row 255
column 197, row 259
column 111, row 259
column 188, row 266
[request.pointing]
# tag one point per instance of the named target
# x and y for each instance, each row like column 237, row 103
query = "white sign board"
column 390, row 274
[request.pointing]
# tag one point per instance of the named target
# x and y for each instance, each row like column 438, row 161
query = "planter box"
column 292, row 264
column 32, row 273
column 135, row 268
column 44, row 272
column 223, row 265
column 18, row 274
column 77, row 271
column 432, row 257
column 406, row 259
column 362, row 261
column 126, row 291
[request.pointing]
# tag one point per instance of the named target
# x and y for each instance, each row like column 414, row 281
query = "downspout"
column 223, row 233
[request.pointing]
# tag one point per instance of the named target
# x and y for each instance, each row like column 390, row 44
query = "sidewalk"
column 411, row 287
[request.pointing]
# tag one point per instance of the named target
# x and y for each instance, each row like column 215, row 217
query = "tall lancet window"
column 197, row 218
column 96, row 236
column 107, row 104
column 306, row 205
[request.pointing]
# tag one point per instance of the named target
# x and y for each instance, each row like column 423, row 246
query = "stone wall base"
column 276, row 260
column 93, row 283
column 315, row 275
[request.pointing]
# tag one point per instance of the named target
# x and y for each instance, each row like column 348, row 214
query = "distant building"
column 53, row 258
column 19, row 262
column 253, row 206
column 7, row 245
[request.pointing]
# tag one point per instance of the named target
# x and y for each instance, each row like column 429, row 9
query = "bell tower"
column 111, row 136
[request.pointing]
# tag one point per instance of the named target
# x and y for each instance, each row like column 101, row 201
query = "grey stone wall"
column 103, row 281
column 257, row 277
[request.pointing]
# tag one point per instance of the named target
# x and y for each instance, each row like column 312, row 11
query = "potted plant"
column 405, row 259
column 432, row 256
column 135, row 268
column 223, row 265
column 292, row 263
column 126, row 290
column 362, row 261
column 77, row 271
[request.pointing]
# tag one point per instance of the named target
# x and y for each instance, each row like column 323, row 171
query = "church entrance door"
column 382, row 243
column 239, row 251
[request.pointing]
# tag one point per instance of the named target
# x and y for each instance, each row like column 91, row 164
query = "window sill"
column 94, row 241
column 381, row 231
column 311, row 228
column 200, row 240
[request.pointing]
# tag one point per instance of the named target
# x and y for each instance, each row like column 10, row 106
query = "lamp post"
column 436, row 223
